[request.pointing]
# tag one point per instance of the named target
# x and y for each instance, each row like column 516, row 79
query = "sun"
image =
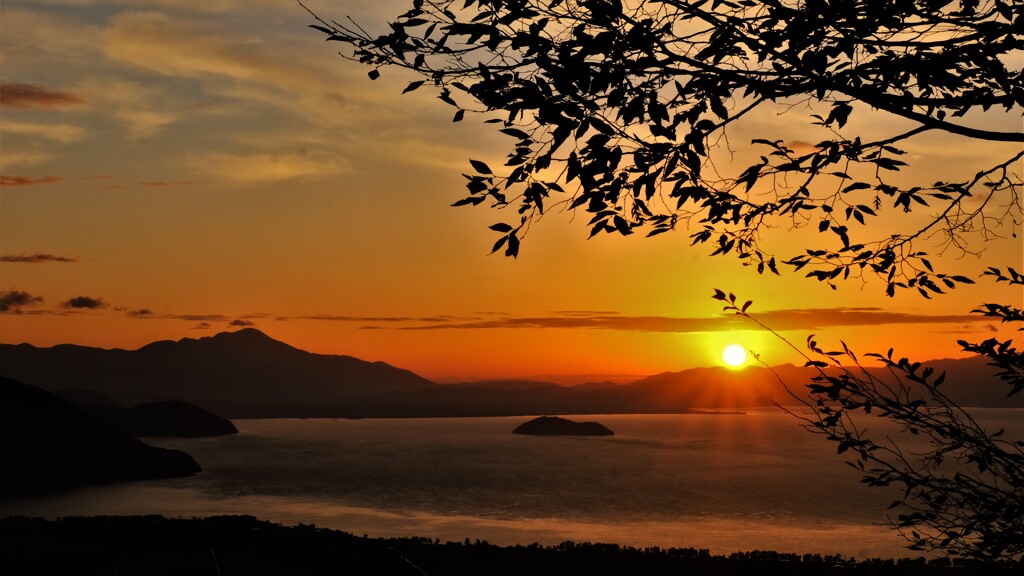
column 734, row 355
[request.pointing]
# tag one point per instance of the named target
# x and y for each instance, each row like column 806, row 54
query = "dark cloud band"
column 21, row 95
column 38, row 258
column 27, row 180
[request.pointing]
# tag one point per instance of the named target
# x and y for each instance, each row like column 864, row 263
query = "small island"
column 555, row 426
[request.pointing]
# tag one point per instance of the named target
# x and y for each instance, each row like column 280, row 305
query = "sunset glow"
column 734, row 355
column 602, row 286
column 188, row 169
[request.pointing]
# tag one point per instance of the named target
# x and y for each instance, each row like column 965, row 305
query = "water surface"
column 724, row 482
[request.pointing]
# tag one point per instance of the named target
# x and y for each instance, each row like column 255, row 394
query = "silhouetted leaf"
column 413, row 85
column 480, row 167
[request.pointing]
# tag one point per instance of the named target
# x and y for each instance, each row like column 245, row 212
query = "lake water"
column 723, row 482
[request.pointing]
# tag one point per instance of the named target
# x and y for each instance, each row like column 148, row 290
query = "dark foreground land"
column 243, row 545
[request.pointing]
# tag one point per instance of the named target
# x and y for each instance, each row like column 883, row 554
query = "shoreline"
column 243, row 544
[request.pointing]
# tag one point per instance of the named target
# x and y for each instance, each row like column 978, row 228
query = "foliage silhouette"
column 963, row 485
column 623, row 110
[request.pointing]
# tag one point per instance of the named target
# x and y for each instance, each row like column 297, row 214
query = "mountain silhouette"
column 247, row 374
column 236, row 374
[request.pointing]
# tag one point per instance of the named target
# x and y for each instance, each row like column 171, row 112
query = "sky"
column 175, row 168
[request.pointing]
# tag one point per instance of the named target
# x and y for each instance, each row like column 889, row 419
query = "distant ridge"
column 247, row 374
column 237, row 374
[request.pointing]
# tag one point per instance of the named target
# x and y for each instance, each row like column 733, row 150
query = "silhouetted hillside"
column 172, row 418
column 969, row 382
column 48, row 443
column 235, row 374
column 247, row 374
column 84, row 397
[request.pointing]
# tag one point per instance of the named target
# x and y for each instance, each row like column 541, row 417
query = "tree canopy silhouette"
column 622, row 109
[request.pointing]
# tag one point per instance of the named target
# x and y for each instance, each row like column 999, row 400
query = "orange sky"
column 193, row 167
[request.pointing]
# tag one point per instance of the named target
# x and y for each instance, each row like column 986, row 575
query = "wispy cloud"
column 792, row 319
column 271, row 167
column 801, row 147
column 142, row 110
column 37, row 96
column 62, row 133
column 147, row 314
column 11, row 158
column 15, row 300
column 144, row 123
column 386, row 319
column 160, row 184
column 810, row 318
column 27, row 180
column 37, row 258
column 193, row 48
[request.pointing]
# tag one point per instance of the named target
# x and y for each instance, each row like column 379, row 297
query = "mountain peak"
column 246, row 334
column 246, row 338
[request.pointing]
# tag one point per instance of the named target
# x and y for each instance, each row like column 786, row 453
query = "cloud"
column 801, row 147
column 146, row 314
column 86, row 302
column 201, row 326
column 27, row 180
column 23, row 158
column 157, row 184
column 144, row 123
column 389, row 319
column 37, row 258
column 131, row 104
column 782, row 320
column 188, row 48
column 197, row 317
column 15, row 300
column 249, row 70
column 35, row 96
column 207, row 6
column 62, row 133
column 254, row 168
column 810, row 318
